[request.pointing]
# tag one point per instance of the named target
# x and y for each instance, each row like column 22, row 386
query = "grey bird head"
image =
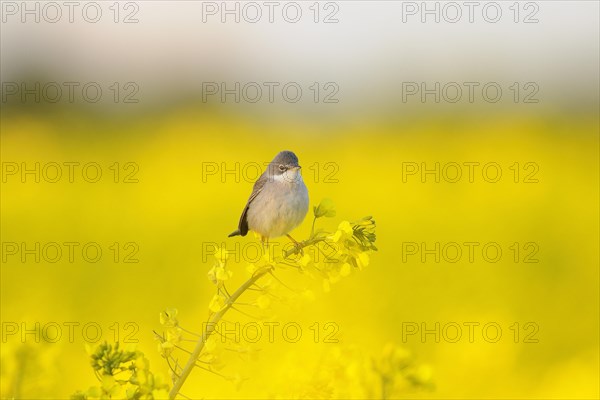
column 284, row 163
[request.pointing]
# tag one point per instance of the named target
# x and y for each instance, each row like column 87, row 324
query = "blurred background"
column 157, row 151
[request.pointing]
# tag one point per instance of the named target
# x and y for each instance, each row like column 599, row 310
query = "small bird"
column 279, row 200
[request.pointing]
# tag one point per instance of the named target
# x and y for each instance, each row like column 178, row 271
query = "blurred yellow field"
column 522, row 323
column 156, row 155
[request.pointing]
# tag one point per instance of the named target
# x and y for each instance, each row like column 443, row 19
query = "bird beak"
column 298, row 167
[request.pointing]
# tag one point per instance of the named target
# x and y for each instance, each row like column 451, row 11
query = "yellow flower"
column 423, row 374
column 210, row 344
column 237, row 380
column 216, row 362
column 362, row 260
column 94, row 392
column 217, row 303
column 89, row 349
column 304, row 260
column 131, row 391
column 160, row 394
column 334, row 276
column 325, row 209
column 263, row 302
column 110, row 386
column 221, row 254
column 266, row 259
column 247, row 352
column 251, row 268
column 168, row 317
column 212, row 275
column 222, row 274
column 267, row 282
column 344, row 231
column 142, row 362
column 345, row 269
column 345, row 227
column 174, row 335
column 165, row 348
column 218, row 274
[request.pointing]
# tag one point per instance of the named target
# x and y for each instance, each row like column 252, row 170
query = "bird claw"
column 299, row 246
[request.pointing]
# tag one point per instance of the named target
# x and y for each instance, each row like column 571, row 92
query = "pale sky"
column 369, row 52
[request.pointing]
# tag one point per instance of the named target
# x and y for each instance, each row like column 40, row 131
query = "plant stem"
column 296, row 249
column 216, row 317
column 210, row 327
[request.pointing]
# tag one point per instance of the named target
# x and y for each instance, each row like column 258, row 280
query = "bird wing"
column 258, row 187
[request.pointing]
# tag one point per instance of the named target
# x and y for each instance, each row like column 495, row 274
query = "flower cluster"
column 219, row 273
column 172, row 334
column 396, row 371
column 342, row 251
column 347, row 249
column 175, row 336
column 123, row 374
column 353, row 242
column 347, row 372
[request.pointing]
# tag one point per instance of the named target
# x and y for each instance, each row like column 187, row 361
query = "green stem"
column 210, row 327
column 312, row 230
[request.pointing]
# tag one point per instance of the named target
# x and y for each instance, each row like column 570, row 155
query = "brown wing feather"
column 243, row 224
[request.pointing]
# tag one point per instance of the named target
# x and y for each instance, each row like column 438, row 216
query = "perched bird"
column 279, row 200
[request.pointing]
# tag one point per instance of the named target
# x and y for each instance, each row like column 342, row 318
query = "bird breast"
column 279, row 208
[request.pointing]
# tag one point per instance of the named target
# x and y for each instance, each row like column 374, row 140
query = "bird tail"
column 235, row 233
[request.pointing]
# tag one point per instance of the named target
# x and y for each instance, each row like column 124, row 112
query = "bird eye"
column 282, row 168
